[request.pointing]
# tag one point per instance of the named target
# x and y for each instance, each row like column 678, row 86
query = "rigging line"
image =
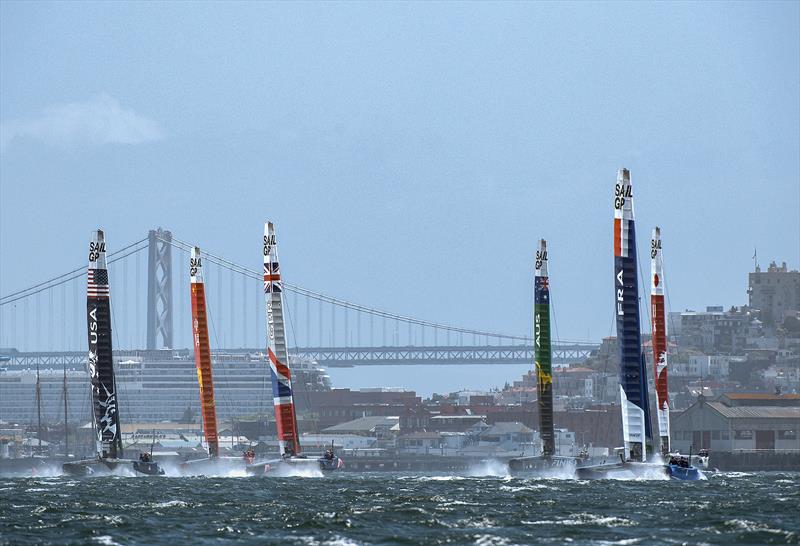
column 223, row 372
column 647, row 292
column 291, row 327
column 82, row 268
column 296, row 384
column 350, row 305
column 684, row 383
column 118, row 385
column 64, row 280
column 605, row 377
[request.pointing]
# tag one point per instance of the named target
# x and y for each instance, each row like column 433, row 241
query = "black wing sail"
column 101, row 361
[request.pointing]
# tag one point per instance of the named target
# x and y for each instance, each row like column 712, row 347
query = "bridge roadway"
column 335, row 356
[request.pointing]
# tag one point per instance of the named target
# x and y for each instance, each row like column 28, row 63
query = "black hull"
column 542, row 465
column 108, row 467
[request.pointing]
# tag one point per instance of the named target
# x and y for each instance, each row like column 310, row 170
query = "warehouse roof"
column 756, row 412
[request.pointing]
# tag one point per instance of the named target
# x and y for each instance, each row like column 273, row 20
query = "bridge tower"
column 159, row 290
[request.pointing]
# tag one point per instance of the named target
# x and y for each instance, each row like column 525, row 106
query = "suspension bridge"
column 44, row 324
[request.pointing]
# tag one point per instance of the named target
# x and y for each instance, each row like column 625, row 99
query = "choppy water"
column 743, row 508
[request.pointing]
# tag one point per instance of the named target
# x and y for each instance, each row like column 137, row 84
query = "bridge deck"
column 339, row 356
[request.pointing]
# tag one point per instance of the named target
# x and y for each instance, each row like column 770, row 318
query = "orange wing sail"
column 202, row 352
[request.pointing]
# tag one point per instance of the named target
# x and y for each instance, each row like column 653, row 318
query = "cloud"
column 98, row 121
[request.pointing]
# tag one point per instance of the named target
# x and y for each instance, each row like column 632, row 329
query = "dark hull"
column 542, row 466
column 108, row 467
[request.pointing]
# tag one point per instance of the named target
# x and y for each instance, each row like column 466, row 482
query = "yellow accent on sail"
column 544, row 378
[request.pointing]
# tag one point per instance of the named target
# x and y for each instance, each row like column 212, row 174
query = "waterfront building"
column 714, row 331
column 739, row 422
column 774, row 293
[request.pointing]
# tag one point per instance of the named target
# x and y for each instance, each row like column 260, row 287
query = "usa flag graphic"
column 97, row 284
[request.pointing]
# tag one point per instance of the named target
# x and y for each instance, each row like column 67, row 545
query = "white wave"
column 168, row 504
column 735, row 474
column 585, row 519
column 756, row 527
column 292, row 471
column 489, row 468
column 491, row 540
column 106, row 540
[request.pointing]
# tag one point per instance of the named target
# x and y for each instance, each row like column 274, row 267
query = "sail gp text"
column 622, row 192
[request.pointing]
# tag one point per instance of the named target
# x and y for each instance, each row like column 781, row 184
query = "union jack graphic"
column 272, row 278
column 97, row 283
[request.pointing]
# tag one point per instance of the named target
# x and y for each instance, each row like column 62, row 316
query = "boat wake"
column 493, row 468
column 643, row 472
column 292, row 471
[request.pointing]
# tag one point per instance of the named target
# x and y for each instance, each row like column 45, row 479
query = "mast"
column 202, row 352
column 101, row 360
column 542, row 350
column 66, row 430
column 633, row 380
column 659, row 330
column 39, row 408
column 285, row 418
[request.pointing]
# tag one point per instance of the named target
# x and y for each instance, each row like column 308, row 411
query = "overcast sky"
column 410, row 154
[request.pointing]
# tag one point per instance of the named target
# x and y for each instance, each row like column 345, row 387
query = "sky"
column 410, row 154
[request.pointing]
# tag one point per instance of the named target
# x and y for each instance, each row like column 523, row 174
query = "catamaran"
column 542, row 352
column 105, row 403
column 205, row 380
column 283, row 401
column 678, row 466
column 634, row 399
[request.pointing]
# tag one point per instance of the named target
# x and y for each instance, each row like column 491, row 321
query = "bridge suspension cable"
column 142, row 244
column 243, row 270
column 115, row 256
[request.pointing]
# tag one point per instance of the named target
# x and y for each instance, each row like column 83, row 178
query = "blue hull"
column 691, row 473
